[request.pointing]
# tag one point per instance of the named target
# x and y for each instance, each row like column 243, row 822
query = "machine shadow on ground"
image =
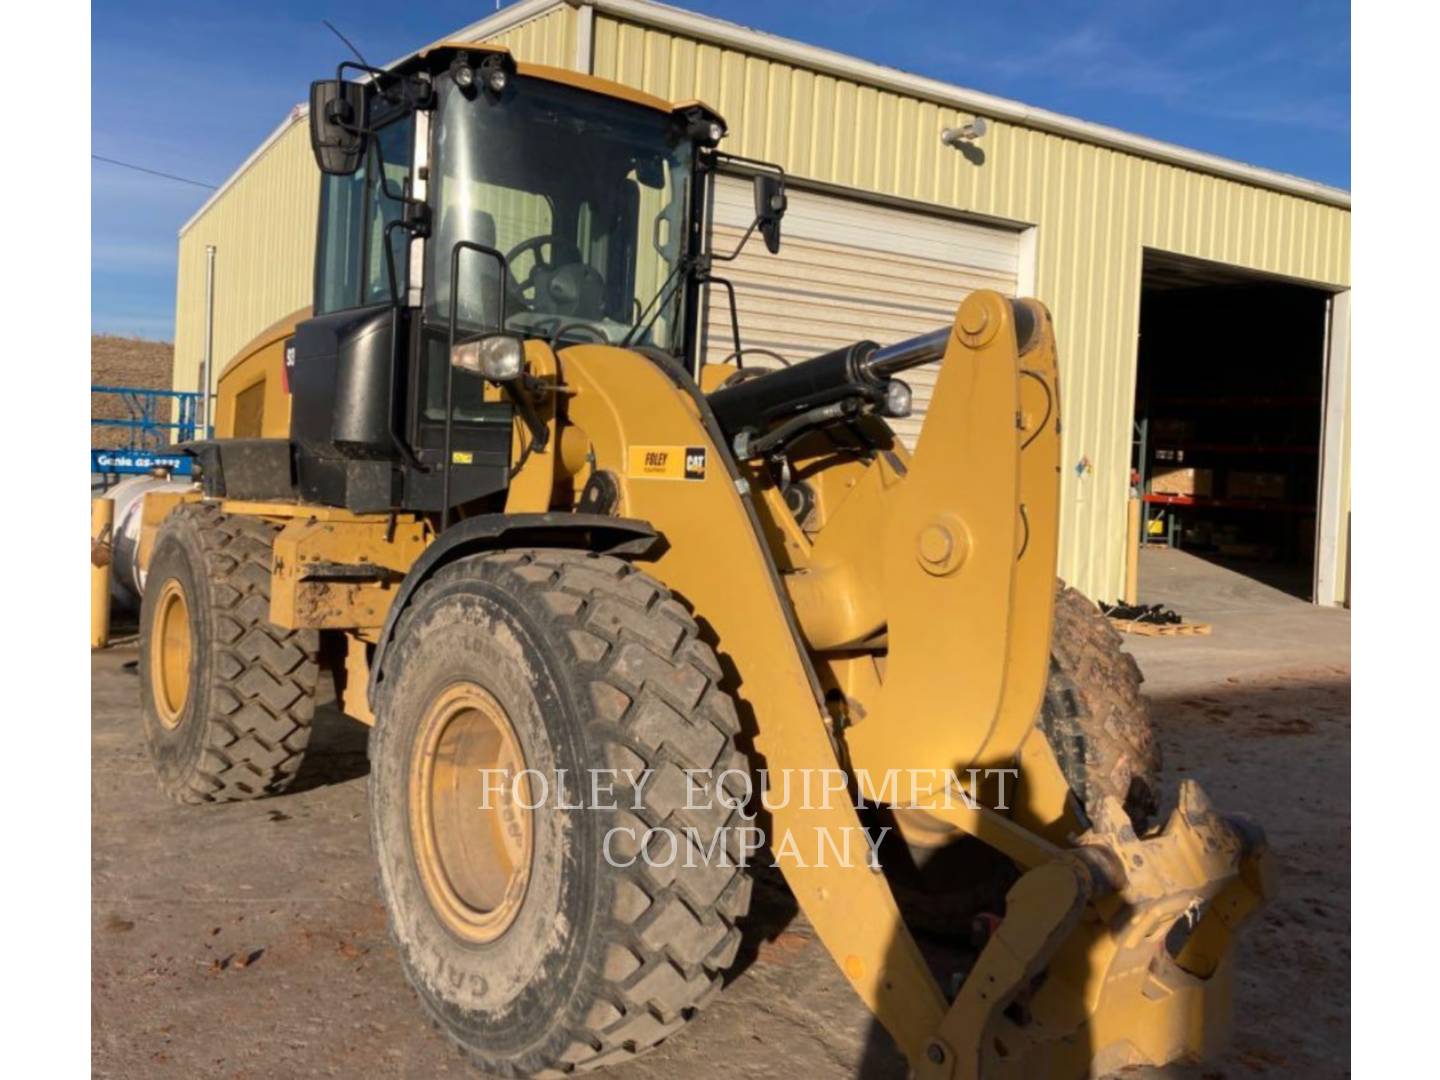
column 337, row 752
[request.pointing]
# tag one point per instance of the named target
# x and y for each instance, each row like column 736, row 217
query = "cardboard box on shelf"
column 1255, row 485
column 1186, row 481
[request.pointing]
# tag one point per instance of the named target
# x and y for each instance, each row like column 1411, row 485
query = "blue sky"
column 191, row 87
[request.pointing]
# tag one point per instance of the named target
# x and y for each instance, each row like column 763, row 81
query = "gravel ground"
column 248, row 940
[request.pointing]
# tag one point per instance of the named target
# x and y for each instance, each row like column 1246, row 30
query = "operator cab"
column 468, row 205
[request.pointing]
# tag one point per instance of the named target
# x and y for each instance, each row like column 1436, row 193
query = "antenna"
column 348, row 43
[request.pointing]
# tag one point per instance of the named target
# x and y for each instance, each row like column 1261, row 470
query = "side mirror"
column 770, row 206
column 337, row 125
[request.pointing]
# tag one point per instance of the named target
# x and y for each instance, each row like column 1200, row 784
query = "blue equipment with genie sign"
column 146, row 444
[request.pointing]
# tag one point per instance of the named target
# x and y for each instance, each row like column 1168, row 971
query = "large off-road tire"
column 1095, row 716
column 227, row 697
column 534, row 947
column 1098, row 724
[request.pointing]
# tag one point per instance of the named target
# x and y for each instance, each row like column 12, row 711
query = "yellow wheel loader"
column 626, row 624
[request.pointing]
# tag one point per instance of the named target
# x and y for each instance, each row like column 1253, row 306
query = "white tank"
column 127, row 581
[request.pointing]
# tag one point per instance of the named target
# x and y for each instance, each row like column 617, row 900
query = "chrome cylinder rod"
column 903, row 355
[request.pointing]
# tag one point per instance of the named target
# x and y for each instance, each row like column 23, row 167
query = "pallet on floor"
column 1149, row 629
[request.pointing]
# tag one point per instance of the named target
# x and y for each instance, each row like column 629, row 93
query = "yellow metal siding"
column 546, row 39
column 1096, row 209
column 263, row 227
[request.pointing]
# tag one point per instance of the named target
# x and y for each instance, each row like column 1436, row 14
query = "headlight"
column 897, row 398
column 498, row 357
column 462, row 72
column 702, row 125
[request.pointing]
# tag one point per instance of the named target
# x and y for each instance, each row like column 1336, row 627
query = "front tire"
column 1095, row 717
column 536, row 938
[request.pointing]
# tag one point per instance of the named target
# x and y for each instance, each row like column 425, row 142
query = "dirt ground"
column 248, row 940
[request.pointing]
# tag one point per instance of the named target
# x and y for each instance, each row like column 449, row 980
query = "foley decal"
column 667, row 463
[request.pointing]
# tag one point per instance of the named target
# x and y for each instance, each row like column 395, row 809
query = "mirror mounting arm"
column 770, row 199
column 770, row 206
column 416, row 92
column 710, row 255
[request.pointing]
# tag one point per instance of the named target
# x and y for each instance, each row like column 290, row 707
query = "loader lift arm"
column 969, row 524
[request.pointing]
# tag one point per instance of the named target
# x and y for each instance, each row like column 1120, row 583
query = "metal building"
column 888, row 227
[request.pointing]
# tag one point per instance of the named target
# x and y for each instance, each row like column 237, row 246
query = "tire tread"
column 1095, row 716
column 263, row 677
column 656, row 704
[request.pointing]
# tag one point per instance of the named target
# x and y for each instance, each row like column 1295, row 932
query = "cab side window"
column 354, row 211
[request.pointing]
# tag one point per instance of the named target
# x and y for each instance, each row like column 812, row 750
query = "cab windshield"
column 584, row 195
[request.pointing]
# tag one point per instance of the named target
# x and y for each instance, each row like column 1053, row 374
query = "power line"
column 153, row 172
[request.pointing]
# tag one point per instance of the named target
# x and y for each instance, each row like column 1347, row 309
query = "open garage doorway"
column 1230, row 417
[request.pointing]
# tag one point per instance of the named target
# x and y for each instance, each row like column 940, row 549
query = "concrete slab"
column 1255, row 628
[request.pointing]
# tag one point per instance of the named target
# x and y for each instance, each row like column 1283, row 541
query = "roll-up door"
column 849, row 270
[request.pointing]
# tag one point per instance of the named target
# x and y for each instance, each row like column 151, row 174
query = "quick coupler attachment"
column 1117, row 953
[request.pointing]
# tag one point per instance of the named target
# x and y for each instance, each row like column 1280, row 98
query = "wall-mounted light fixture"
column 966, row 134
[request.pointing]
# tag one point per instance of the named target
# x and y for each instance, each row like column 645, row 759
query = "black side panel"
column 346, row 421
column 340, row 417
column 257, row 469
column 361, row 410
column 341, row 385
column 366, row 487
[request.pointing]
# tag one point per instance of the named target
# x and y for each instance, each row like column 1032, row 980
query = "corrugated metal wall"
column 263, row 229
column 263, row 226
column 1096, row 210
column 545, row 39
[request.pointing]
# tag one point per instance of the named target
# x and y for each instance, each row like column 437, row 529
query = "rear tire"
column 588, row 663
column 1095, row 717
column 227, row 697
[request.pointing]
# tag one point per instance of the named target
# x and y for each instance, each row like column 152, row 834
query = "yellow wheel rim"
column 170, row 654
column 471, row 828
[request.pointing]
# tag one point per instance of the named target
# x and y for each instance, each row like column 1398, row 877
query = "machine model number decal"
column 667, row 462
